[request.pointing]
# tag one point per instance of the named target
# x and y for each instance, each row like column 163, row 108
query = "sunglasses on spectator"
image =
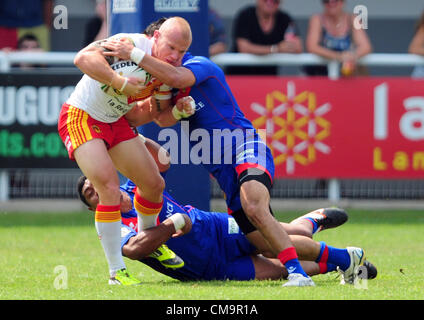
column 274, row 1
column 328, row 1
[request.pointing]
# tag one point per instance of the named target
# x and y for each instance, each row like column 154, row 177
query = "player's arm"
column 140, row 114
column 150, row 110
column 159, row 154
column 166, row 119
column 417, row 44
column 184, row 108
column 140, row 246
column 175, row 77
column 90, row 60
column 147, row 110
column 361, row 40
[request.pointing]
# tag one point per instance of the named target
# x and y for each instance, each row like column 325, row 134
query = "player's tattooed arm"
column 91, row 61
column 98, row 45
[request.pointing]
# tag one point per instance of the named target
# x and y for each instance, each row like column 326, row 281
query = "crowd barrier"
column 317, row 128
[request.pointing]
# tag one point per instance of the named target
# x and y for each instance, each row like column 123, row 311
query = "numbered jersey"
column 91, row 96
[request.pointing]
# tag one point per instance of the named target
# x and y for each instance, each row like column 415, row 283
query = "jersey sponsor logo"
column 124, row 232
column 68, row 143
column 291, row 269
column 199, row 105
column 233, row 227
column 96, row 128
column 249, row 153
column 169, row 209
column 122, row 64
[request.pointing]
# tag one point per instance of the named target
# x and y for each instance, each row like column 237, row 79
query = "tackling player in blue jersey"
column 213, row 247
column 243, row 165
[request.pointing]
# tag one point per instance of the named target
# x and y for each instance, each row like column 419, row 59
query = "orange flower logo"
column 294, row 126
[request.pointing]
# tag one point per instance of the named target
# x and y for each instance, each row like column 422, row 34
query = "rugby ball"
column 126, row 68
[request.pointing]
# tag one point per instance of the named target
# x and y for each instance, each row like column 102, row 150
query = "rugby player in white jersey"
column 98, row 136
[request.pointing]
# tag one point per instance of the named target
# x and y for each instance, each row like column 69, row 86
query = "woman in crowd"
column 333, row 35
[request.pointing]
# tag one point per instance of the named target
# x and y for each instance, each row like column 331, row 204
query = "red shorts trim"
column 76, row 127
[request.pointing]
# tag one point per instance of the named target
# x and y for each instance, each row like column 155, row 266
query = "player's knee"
column 109, row 190
column 255, row 211
column 158, row 185
column 153, row 187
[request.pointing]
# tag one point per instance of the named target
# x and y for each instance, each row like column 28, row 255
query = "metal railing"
column 230, row 59
column 7, row 60
column 285, row 59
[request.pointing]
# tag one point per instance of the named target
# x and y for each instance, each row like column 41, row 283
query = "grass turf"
column 37, row 248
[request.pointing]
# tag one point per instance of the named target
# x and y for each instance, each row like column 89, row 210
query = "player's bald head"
column 177, row 26
column 172, row 40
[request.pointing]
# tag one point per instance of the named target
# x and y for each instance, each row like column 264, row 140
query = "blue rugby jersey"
column 233, row 141
column 215, row 248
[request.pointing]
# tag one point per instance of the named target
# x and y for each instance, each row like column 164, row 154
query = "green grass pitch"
column 39, row 250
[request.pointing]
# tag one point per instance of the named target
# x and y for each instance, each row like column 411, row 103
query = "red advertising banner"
column 347, row 128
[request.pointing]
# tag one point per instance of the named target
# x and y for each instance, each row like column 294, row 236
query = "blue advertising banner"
column 125, row 16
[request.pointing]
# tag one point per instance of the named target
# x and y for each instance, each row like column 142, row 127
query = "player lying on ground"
column 214, row 248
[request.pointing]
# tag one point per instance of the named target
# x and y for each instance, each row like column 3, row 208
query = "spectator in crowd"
column 18, row 18
column 217, row 36
column 29, row 43
column 264, row 29
column 333, row 35
column 417, row 46
column 96, row 28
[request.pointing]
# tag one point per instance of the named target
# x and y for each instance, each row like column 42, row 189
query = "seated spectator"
column 264, row 29
column 217, row 37
column 18, row 18
column 417, row 47
column 332, row 35
column 29, row 43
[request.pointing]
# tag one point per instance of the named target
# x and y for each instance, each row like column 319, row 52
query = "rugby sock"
column 326, row 267
column 289, row 259
column 314, row 224
column 147, row 212
column 108, row 226
column 336, row 256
